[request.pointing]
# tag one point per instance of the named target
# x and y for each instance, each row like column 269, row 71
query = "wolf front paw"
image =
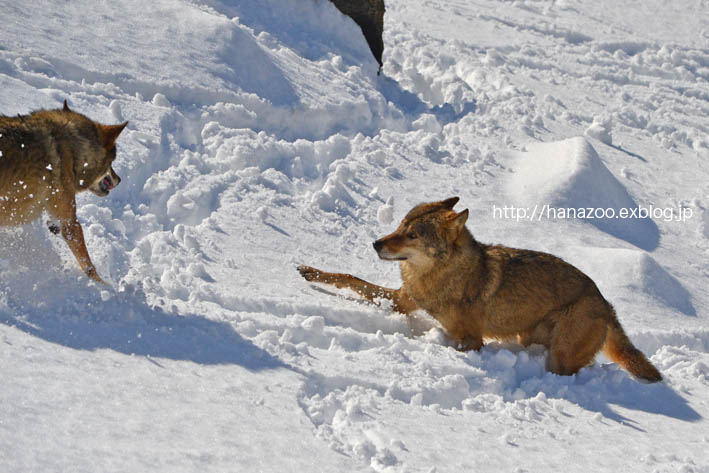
column 93, row 275
column 309, row 273
column 54, row 228
column 469, row 343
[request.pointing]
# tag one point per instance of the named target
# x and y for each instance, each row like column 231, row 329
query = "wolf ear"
column 450, row 203
column 109, row 133
column 457, row 220
column 66, row 107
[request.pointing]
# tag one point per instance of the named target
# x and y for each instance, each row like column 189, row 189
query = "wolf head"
column 428, row 232
column 94, row 152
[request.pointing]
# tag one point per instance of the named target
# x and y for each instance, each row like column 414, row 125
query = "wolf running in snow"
column 46, row 158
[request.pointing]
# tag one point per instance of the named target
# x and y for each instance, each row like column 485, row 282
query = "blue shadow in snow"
column 641, row 232
column 656, row 399
column 410, row 104
column 594, row 389
column 126, row 324
column 634, row 395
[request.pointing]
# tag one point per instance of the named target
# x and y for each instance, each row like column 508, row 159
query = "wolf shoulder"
column 25, row 137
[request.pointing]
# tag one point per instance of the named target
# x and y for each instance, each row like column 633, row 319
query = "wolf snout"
column 107, row 184
column 114, row 178
column 110, row 181
column 377, row 245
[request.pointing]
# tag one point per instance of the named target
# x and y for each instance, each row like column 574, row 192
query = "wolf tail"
column 619, row 349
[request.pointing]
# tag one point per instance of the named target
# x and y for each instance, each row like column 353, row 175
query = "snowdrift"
column 261, row 137
column 570, row 175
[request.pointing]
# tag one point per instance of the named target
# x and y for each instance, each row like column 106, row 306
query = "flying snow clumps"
column 600, row 129
column 385, row 214
column 160, row 100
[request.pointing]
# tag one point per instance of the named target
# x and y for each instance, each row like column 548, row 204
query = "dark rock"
column 369, row 15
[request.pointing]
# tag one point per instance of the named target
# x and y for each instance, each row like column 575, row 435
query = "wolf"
column 46, row 158
column 479, row 291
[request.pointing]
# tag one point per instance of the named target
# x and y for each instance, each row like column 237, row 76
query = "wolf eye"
column 411, row 236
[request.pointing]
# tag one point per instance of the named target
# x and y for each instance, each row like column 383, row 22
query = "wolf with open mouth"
column 46, row 158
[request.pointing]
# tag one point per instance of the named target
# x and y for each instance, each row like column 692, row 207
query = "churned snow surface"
column 261, row 137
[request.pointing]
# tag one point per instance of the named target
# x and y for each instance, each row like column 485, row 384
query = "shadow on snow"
column 127, row 324
column 596, row 388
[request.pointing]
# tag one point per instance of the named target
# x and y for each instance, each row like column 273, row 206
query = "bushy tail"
column 619, row 349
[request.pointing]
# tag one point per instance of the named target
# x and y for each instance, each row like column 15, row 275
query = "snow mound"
column 618, row 269
column 261, row 137
column 250, row 64
column 569, row 174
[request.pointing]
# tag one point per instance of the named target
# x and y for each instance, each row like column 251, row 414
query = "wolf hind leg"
column 578, row 335
column 369, row 291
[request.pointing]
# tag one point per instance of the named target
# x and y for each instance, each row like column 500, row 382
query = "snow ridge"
column 261, row 137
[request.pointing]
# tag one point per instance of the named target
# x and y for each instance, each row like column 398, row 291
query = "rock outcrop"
column 369, row 15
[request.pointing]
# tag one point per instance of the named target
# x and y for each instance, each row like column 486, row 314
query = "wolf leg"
column 74, row 237
column 462, row 327
column 371, row 292
column 578, row 335
column 71, row 231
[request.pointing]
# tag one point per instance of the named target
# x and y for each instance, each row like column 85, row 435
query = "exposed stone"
column 369, row 15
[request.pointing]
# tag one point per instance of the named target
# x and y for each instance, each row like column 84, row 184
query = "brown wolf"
column 481, row 291
column 46, row 158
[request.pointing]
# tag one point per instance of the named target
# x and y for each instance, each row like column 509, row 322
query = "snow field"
column 260, row 137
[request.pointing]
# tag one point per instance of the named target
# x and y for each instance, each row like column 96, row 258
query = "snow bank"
column 617, row 270
column 570, row 175
column 260, row 137
column 248, row 61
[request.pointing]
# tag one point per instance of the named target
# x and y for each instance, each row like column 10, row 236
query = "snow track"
column 261, row 137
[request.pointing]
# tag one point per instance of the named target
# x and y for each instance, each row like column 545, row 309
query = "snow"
column 570, row 175
column 260, row 137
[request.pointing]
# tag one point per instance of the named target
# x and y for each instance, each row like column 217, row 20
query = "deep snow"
column 261, row 137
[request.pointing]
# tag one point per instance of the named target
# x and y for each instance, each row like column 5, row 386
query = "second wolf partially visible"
column 48, row 157
column 476, row 290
